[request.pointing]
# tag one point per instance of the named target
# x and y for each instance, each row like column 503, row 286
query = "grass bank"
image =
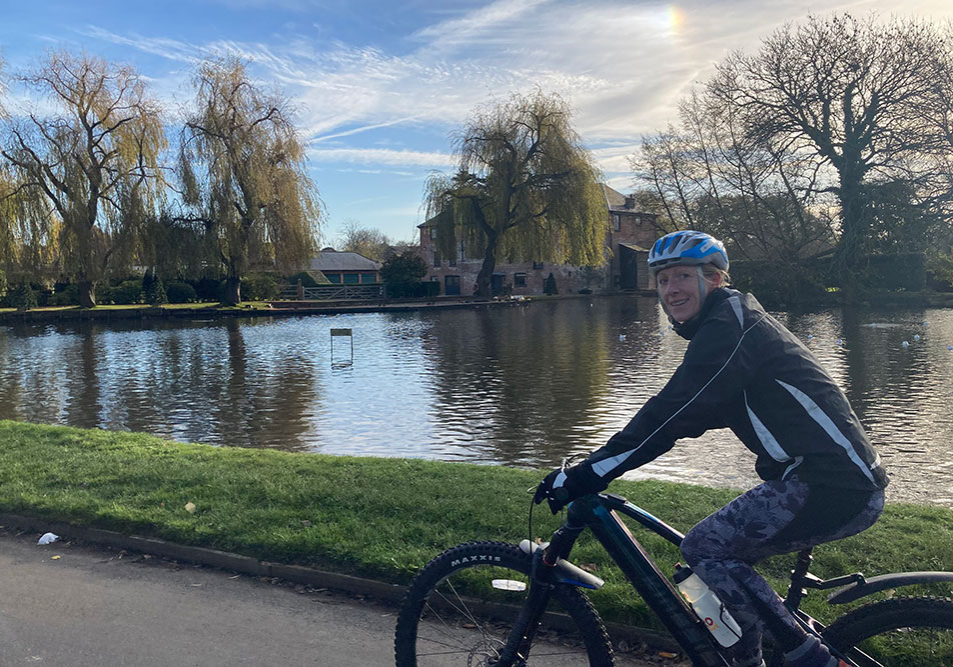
column 379, row 518
column 114, row 312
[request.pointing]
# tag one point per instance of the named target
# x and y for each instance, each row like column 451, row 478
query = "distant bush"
column 307, row 280
column 21, row 297
column 260, row 287
column 126, row 293
column 181, row 293
column 777, row 285
column 153, row 290
column 206, row 289
column 402, row 273
column 64, row 295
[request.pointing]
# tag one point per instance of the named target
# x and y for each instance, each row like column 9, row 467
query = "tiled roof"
column 331, row 260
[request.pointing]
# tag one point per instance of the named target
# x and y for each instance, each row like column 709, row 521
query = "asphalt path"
column 76, row 604
column 67, row 605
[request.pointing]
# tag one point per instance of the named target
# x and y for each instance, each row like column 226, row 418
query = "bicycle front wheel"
column 900, row 631
column 459, row 609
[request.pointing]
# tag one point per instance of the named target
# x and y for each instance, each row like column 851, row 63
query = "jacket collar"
column 688, row 328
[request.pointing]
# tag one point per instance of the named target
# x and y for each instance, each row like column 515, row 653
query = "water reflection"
column 516, row 386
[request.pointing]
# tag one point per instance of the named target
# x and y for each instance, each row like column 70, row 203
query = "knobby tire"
column 898, row 631
column 453, row 614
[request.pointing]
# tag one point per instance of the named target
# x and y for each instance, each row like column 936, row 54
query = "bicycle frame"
column 599, row 513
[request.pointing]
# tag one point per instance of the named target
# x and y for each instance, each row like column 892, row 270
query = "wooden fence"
column 334, row 293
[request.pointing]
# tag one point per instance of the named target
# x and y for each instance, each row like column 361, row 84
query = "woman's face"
column 679, row 290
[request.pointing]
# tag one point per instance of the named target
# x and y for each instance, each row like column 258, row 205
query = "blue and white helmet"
column 687, row 248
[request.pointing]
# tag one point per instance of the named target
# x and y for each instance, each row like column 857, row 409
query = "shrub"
column 307, row 280
column 153, row 290
column 260, row 287
column 206, row 289
column 125, row 293
column 22, row 297
column 777, row 285
column 939, row 269
column 64, row 295
column 402, row 273
column 181, row 293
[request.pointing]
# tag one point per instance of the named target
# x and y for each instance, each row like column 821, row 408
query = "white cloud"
column 622, row 65
column 384, row 156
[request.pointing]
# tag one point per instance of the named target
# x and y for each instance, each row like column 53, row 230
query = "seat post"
column 796, row 590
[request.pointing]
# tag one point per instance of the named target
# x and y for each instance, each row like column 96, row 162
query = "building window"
column 452, row 261
column 436, row 259
column 537, row 265
column 433, row 233
column 352, row 278
column 616, row 222
column 519, row 280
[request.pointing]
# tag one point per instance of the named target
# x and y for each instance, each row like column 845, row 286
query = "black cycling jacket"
column 744, row 371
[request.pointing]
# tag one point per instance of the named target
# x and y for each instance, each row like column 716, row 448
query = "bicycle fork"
column 516, row 650
column 549, row 569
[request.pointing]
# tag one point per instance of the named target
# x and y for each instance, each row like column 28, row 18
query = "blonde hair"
column 710, row 271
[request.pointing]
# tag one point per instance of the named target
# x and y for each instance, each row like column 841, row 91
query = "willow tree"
column 525, row 190
column 848, row 93
column 86, row 160
column 242, row 168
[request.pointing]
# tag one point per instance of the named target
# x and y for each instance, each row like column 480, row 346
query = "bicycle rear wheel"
column 459, row 609
column 900, row 631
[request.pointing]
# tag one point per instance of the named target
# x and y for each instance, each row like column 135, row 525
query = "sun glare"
column 676, row 17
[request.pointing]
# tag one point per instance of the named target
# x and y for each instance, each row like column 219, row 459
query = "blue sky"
column 380, row 87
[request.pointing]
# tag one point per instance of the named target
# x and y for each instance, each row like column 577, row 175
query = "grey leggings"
column 773, row 518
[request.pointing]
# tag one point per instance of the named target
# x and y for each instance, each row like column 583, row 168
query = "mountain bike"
column 499, row 604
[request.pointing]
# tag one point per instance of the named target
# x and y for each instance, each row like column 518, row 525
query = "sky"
column 381, row 88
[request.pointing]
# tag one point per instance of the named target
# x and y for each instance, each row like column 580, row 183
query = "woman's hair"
column 710, row 271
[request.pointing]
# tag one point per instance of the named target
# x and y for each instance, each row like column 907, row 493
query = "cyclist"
column 743, row 370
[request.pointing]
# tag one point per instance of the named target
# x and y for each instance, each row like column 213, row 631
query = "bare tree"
column 371, row 243
column 87, row 167
column 847, row 94
column 243, row 173
column 526, row 189
column 707, row 174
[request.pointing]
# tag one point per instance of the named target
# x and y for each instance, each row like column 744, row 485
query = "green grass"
column 204, row 305
column 380, row 518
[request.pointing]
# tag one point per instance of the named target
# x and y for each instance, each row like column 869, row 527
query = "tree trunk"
column 233, row 291
column 484, row 278
column 87, row 293
column 853, row 231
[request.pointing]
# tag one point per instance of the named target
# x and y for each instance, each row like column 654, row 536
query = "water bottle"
column 707, row 605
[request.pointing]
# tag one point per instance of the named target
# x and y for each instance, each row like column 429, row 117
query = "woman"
column 744, row 371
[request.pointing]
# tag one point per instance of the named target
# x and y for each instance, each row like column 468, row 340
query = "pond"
column 522, row 385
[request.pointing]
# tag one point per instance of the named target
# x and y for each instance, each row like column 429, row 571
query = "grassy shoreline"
column 48, row 314
column 372, row 517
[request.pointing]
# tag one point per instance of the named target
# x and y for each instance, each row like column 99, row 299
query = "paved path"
column 77, row 605
column 95, row 607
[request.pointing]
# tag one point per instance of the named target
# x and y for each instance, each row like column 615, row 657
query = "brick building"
column 629, row 235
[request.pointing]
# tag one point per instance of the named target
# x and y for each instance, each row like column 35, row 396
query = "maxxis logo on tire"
column 486, row 558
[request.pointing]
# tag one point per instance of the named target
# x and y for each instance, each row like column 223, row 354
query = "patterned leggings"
column 773, row 518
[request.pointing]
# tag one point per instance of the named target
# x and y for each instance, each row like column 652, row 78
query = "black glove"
column 562, row 486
